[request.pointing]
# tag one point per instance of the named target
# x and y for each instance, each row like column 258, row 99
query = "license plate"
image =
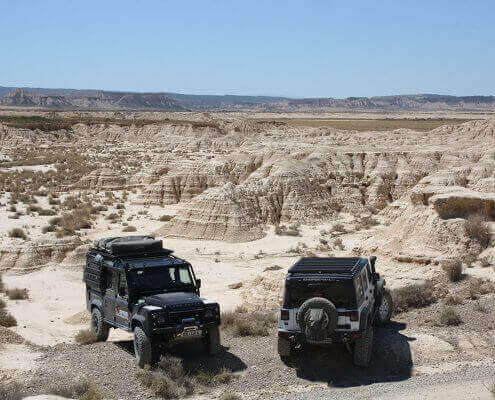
column 190, row 332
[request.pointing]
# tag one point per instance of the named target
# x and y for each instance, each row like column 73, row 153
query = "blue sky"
column 288, row 48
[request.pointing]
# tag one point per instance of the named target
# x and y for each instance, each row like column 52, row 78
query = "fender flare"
column 96, row 303
column 139, row 320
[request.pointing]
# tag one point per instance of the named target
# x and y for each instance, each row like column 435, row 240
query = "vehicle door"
column 122, row 302
column 110, row 295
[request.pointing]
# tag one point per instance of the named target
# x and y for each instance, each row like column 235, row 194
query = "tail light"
column 284, row 315
column 354, row 316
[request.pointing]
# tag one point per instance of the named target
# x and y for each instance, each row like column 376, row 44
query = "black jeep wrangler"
column 133, row 283
column 333, row 300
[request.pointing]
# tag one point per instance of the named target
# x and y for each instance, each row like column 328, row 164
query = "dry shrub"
column 249, row 324
column 449, row 317
column 480, row 308
column 414, row 296
column 3, row 305
column 77, row 388
column 7, row 320
column 214, row 378
column 11, row 391
column 477, row 287
column 453, row 269
column 17, row 233
column 2, row 285
column 165, row 218
column 85, row 336
column 169, row 380
column 339, row 244
column 484, row 262
column 45, row 212
column 273, row 268
column 17, row 294
column 112, row 217
column 229, row 396
column 338, row 228
column 48, row 228
column 368, row 222
column 292, row 230
column 72, row 221
column 453, row 299
column 129, row 228
column 476, row 227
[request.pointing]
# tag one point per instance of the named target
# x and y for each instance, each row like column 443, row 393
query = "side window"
column 123, row 285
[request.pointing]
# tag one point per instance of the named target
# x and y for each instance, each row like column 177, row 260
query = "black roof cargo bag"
column 130, row 245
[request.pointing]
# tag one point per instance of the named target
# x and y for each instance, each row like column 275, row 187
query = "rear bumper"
column 339, row 336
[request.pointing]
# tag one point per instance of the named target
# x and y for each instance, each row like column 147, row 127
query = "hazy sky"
column 292, row 48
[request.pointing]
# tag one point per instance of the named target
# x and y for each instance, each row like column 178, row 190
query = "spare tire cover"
column 315, row 325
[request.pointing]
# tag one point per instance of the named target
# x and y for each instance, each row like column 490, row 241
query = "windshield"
column 161, row 278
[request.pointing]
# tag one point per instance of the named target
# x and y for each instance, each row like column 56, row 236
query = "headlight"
column 160, row 318
column 212, row 312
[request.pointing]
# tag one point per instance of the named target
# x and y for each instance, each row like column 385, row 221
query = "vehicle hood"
column 174, row 300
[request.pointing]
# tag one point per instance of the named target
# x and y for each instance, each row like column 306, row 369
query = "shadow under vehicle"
column 134, row 284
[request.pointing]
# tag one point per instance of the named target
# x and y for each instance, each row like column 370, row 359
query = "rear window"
column 340, row 293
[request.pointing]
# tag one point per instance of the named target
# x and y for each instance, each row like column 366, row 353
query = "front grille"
column 176, row 317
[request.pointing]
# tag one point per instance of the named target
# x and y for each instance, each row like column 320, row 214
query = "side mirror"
column 198, row 283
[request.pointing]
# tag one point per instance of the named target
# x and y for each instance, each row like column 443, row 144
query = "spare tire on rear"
column 319, row 329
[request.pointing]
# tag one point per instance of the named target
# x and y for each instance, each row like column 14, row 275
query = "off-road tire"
column 213, row 340
column 98, row 326
column 363, row 349
column 284, row 347
column 144, row 350
column 319, row 302
column 385, row 309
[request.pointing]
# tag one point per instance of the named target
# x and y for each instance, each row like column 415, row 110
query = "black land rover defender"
column 329, row 300
column 133, row 283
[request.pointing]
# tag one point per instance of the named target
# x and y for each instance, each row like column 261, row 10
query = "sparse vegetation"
column 273, row 268
column 17, row 294
column 166, row 218
column 11, row 391
column 414, row 296
column 453, row 269
column 338, row 243
column 449, row 317
column 477, row 228
column 17, row 233
column 77, row 388
column 3, row 305
column 229, row 396
column 7, row 320
column 85, row 336
column 129, row 228
column 292, row 230
column 244, row 324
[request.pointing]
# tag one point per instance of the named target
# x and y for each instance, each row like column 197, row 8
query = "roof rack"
column 332, row 265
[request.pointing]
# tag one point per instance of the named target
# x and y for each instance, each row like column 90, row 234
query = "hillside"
column 111, row 100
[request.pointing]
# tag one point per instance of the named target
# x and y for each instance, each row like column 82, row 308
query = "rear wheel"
column 146, row 353
column 363, row 349
column 213, row 341
column 98, row 326
column 385, row 309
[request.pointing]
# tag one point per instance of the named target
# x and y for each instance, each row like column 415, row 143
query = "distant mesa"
column 108, row 100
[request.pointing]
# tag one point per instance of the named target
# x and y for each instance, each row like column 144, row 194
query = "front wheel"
column 213, row 341
column 98, row 326
column 385, row 309
column 144, row 350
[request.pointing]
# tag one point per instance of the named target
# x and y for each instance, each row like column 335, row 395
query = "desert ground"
column 242, row 196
